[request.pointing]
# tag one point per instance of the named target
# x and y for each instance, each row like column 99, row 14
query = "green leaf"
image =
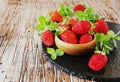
column 69, row 12
column 114, row 43
column 54, row 53
column 62, row 12
column 42, row 19
column 111, row 33
column 50, row 51
column 48, row 20
column 117, row 37
column 97, row 47
column 88, row 14
column 81, row 15
column 42, row 24
column 102, row 37
column 53, row 26
column 89, row 10
column 39, row 27
column 53, row 56
column 58, row 32
column 66, row 11
column 108, row 46
column 59, row 52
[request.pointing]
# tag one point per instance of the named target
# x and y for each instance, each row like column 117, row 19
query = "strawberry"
column 101, row 26
column 97, row 61
column 85, row 38
column 68, row 36
column 47, row 38
column 72, row 22
column 65, row 26
column 56, row 16
column 79, row 7
column 82, row 27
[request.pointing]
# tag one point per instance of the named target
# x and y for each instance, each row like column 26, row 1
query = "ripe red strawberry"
column 82, row 27
column 72, row 22
column 97, row 61
column 79, row 7
column 85, row 38
column 65, row 26
column 47, row 38
column 101, row 27
column 56, row 16
column 68, row 36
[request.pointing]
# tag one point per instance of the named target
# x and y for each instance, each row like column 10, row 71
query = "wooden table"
column 20, row 56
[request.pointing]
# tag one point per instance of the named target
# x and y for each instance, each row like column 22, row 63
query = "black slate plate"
column 77, row 65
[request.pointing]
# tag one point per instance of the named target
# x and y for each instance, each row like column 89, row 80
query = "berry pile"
column 77, row 25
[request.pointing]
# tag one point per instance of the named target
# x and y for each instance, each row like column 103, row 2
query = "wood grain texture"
column 20, row 54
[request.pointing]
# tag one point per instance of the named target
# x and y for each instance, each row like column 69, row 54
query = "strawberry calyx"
column 100, row 52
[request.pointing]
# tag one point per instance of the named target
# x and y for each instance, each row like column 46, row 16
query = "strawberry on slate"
column 47, row 38
column 97, row 61
column 68, row 36
column 72, row 22
column 56, row 16
column 101, row 26
column 82, row 27
column 79, row 7
column 85, row 38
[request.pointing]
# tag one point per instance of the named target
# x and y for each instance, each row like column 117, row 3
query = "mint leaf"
column 50, row 51
column 111, row 33
column 48, row 20
column 114, row 42
column 59, row 52
column 62, row 10
column 89, row 11
column 65, row 11
column 39, row 27
column 42, row 19
column 88, row 14
column 81, row 15
column 53, row 26
column 69, row 12
column 117, row 37
column 58, row 32
column 108, row 45
column 54, row 53
column 53, row 56
column 102, row 37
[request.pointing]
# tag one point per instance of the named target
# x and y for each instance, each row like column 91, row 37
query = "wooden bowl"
column 75, row 49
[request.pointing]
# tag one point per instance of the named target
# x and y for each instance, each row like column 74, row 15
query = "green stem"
column 117, row 33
